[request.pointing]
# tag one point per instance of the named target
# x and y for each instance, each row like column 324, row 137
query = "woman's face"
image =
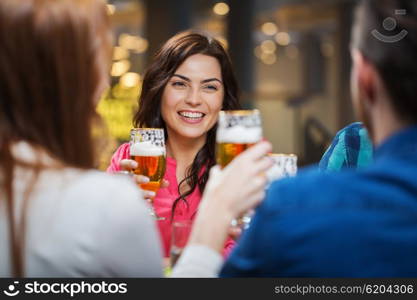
column 193, row 97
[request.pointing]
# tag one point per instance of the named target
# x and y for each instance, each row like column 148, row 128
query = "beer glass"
column 180, row 233
column 237, row 130
column 147, row 148
column 285, row 165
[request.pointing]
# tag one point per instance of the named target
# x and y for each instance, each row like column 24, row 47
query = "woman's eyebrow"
column 182, row 77
column 203, row 81
column 211, row 79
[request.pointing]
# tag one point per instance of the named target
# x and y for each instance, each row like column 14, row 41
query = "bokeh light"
column 221, row 9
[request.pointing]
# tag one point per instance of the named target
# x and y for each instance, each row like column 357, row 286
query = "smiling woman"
column 193, row 98
column 189, row 81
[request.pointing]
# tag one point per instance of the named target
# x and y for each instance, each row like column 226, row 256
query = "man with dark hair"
column 354, row 223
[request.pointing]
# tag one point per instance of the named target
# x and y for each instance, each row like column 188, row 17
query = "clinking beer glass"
column 147, row 148
column 237, row 130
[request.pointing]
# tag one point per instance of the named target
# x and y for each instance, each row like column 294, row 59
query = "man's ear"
column 367, row 78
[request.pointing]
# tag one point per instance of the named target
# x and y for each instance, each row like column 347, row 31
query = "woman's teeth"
column 191, row 115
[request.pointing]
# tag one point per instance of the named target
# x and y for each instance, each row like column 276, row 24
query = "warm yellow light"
column 268, row 58
column 268, row 46
column 292, row 52
column 283, row 38
column 140, row 45
column 120, row 67
column 269, row 28
column 110, row 9
column 130, row 80
column 134, row 43
column 221, row 9
column 120, row 53
column 127, row 41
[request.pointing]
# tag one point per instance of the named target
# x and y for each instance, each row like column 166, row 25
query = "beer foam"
column 284, row 166
column 146, row 149
column 274, row 173
column 239, row 135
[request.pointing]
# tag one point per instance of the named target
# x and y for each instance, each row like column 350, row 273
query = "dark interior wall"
column 239, row 34
column 164, row 18
column 346, row 114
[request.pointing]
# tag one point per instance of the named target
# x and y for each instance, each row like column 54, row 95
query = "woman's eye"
column 178, row 84
column 211, row 87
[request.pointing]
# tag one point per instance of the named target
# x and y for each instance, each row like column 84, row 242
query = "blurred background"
column 291, row 58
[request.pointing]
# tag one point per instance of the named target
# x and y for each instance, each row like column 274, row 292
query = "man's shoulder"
column 314, row 188
column 380, row 187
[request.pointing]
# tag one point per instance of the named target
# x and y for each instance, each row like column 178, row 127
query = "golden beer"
column 226, row 152
column 147, row 148
column 152, row 167
column 237, row 130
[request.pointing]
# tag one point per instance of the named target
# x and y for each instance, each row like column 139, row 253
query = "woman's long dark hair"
column 166, row 61
column 52, row 59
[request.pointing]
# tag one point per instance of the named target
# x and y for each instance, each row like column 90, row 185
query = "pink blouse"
column 165, row 198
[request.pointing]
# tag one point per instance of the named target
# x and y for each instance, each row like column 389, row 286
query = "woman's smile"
column 193, row 97
column 191, row 117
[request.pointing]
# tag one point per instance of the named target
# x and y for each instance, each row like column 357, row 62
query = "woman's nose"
column 193, row 98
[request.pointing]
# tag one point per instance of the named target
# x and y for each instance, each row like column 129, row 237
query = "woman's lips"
column 191, row 120
column 191, row 117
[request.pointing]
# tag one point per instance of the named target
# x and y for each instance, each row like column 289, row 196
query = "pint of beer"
column 237, row 130
column 151, row 163
column 147, row 148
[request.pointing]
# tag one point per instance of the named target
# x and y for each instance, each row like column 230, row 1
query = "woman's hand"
column 130, row 165
column 229, row 193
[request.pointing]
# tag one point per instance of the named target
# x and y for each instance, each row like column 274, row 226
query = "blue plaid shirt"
column 351, row 148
